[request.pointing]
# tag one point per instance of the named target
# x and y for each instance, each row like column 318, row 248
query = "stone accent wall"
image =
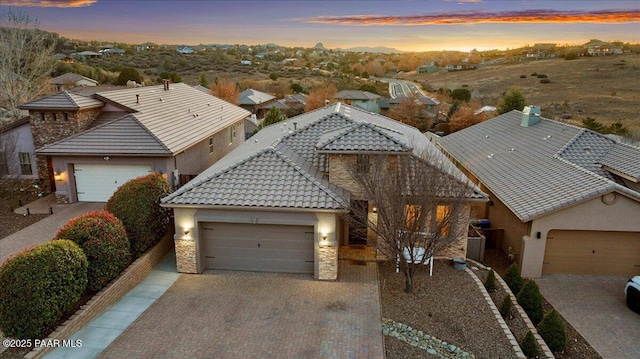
column 49, row 130
column 328, row 263
column 129, row 278
column 186, row 255
column 340, row 167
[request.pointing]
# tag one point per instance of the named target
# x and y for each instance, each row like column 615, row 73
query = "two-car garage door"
column 592, row 252
column 97, row 182
column 258, row 247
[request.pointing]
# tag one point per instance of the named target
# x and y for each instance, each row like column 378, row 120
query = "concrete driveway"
column 595, row 306
column 227, row 314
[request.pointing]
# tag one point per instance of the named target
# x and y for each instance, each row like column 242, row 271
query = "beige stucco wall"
column 591, row 215
column 460, row 234
column 189, row 255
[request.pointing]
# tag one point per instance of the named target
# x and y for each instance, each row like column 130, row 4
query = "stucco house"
column 567, row 198
column 17, row 157
column 255, row 101
column 363, row 99
column 71, row 80
column 280, row 201
column 87, row 146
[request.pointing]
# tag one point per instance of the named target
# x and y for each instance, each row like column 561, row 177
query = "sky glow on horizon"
column 404, row 25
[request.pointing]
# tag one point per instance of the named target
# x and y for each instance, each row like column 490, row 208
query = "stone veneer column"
column 328, row 265
column 186, row 255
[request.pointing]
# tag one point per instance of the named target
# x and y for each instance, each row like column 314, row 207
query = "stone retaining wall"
column 128, row 279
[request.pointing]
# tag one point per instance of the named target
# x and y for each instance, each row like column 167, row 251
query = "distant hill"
column 378, row 49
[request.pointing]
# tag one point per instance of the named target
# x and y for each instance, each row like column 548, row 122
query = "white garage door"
column 258, row 247
column 96, row 183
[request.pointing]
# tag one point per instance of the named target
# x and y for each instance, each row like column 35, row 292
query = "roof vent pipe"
column 326, row 102
column 295, row 125
column 137, row 98
column 530, row 116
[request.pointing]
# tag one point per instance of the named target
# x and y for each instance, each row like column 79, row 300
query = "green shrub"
column 104, row 241
column 553, row 331
column 529, row 345
column 530, row 300
column 38, row 286
column 490, row 283
column 513, row 279
column 506, row 307
column 137, row 204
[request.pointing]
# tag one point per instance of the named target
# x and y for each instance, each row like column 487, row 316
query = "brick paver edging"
column 424, row 341
column 128, row 279
column 543, row 345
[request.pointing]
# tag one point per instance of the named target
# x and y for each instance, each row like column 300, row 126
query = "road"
column 401, row 88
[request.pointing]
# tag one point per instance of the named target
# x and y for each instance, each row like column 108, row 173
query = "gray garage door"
column 258, row 247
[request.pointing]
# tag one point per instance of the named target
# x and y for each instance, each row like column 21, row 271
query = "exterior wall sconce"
column 325, row 242
column 186, row 232
column 57, row 174
column 375, row 210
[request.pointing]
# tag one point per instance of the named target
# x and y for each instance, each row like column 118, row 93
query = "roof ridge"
column 305, row 174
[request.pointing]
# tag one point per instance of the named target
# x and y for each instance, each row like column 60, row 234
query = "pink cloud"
column 478, row 17
column 49, row 3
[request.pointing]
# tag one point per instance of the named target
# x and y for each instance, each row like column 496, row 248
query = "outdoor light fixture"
column 325, row 242
column 375, row 210
column 57, row 174
column 186, row 232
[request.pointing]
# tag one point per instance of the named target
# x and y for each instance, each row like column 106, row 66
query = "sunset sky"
column 404, row 25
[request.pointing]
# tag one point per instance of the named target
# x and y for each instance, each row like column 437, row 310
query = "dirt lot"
column 604, row 88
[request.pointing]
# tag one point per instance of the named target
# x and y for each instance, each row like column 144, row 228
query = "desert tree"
column 225, row 90
column 25, row 59
column 421, row 205
column 411, row 111
column 512, row 100
column 319, row 95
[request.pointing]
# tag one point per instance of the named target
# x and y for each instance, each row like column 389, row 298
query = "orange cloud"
column 49, row 3
column 475, row 17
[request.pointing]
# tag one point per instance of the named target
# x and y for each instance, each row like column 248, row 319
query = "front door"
column 358, row 231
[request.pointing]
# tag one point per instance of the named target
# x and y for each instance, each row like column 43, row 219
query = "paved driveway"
column 227, row 314
column 595, row 306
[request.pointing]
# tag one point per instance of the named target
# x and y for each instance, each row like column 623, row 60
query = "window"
column 362, row 163
column 232, row 134
column 53, row 114
column 25, row 163
column 412, row 217
column 65, row 116
column 4, row 168
column 210, row 144
column 42, row 116
column 443, row 220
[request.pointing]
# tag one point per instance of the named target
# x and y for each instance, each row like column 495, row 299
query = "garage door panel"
column 259, row 247
column 97, row 182
column 592, row 252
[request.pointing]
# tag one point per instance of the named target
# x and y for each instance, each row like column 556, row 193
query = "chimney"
column 530, row 116
column 166, row 84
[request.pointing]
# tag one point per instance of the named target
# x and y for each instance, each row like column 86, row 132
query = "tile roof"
column 70, row 78
column 283, row 156
column 254, row 97
column 64, row 100
column 538, row 169
column 361, row 137
column 356, row 95
column 122, row 136
column 178, row 117
column 624, row 159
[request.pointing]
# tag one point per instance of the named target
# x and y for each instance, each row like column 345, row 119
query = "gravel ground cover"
column 448, row 306
column 11, row 222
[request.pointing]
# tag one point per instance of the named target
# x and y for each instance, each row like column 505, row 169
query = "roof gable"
column 63, row 100
column 254, row 97
column 123, row 136
column 361, row 137
column 623, row 159
column 70, row 78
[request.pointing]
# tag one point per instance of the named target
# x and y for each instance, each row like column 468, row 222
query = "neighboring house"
column 255, row 101
column 567, row 198
column 363, row 99
column 63, row 58
column 87, row 55
column 430, row 105
column 460, row 67
column 71, row 80
column 427, row 68
column 112, row 51
column 88, row 146
column 185, row 50
column 279, row 202
column 602, row 48
column 17, row 153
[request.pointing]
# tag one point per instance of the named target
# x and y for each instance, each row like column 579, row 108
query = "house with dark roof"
column 71, row 80
column 566, row 199
column 87, row 145
column 17, row 156
column 280, row 201
column 257, row 102
column 363, row 99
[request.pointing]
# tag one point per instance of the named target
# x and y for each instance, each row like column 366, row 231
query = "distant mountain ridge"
column 379, row 49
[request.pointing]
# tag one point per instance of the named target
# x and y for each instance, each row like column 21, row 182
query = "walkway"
column 227, row 314
column 595, row 306
column 103, row 330
column 46, row 229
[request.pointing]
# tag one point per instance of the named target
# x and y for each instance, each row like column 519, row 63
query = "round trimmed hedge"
column 38, row 286
column 137, row 204
column 104, row 241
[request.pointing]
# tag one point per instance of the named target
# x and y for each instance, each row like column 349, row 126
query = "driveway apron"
column 595, row 306
column 228, row 314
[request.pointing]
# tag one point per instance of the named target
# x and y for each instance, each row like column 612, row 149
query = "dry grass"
column 604, row 88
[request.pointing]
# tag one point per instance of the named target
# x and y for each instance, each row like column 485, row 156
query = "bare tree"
column 412, row 112
column 420, row 208
column 319, row 95
column 25, row 58
column 9, row 163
